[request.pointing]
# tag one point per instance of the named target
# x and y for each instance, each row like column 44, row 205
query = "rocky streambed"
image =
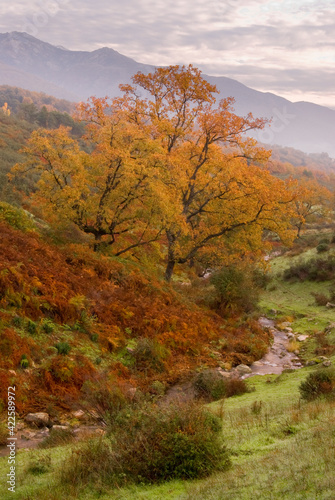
column 278, row 358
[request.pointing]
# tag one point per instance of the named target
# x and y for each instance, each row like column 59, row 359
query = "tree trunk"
column 97, row 242
column 169, row 269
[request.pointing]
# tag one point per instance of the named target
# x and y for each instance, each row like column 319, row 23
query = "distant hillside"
column 76, row 75
column 15, row 97
column 28, row 111
column 296, row 158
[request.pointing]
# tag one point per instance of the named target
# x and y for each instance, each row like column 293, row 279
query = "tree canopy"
column 165, row 163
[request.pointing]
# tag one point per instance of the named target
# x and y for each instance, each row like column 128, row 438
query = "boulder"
column 302, row 338
column 39, row 419
column 327, row 363
column 243, row 369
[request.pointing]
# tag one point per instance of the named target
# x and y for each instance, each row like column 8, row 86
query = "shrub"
column 63, row 348
column 235, row 289
column 316, row 269
column 18, row 321
column 103, row 398
column 31, row 327
column 48, row 326
column 320, row 298
column 211, row 386
column 149, row 354
column 24, row 363
column 320, row 382
column 153, row 444
column 322, row 247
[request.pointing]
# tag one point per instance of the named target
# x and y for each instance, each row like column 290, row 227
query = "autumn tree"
column 207, row 161
column 109, row 188
column 313, row 202
column 164, row 162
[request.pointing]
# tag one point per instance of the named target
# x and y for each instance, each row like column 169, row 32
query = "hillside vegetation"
column 140, row 242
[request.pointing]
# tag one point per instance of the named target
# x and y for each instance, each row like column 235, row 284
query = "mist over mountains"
column 76, row 75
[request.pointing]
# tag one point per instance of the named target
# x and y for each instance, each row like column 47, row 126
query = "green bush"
column 24, row 363
column 317, row 269
column 48, row 325
column 15, row 217
column 320, row 382
column 152, row 444
column 63, row 348
column 322, row 247
column 211, row 385
column 31, row 327
column 235, row 289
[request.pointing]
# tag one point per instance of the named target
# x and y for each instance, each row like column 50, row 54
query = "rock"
column 79, row 415
column 302, row 338
column 243, row 369
column 311, row 362
column 60, row 427
column 258, row 363
column 330, row 305
column 286, row 366
column 39, row 419
column 27, row 435
column 43, row 433
column 285, row 324
column 224, row 374
column 327, row 363
column 12, row 372
column 273, row 311
column 131, row 392
column 288, row 329
column 290, row 335
column 19, row 426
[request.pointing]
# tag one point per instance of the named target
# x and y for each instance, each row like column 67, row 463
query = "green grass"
column 282, row 448
column 296, row 299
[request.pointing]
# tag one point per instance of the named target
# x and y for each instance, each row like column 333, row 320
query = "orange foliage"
column 40, row 280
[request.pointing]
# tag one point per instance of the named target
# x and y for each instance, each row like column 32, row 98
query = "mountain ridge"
column 35, row 65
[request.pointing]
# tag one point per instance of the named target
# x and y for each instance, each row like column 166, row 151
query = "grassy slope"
column 281, row 446
column 284, row 450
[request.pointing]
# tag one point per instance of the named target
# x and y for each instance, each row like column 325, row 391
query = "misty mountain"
column 76, row 75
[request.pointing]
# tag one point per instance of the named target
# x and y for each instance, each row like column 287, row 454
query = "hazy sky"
column 285, row 46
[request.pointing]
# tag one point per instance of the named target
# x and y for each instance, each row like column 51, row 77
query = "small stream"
column 277, row 358
column 275, row 361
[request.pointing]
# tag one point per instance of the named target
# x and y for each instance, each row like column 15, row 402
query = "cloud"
column 279, row 45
